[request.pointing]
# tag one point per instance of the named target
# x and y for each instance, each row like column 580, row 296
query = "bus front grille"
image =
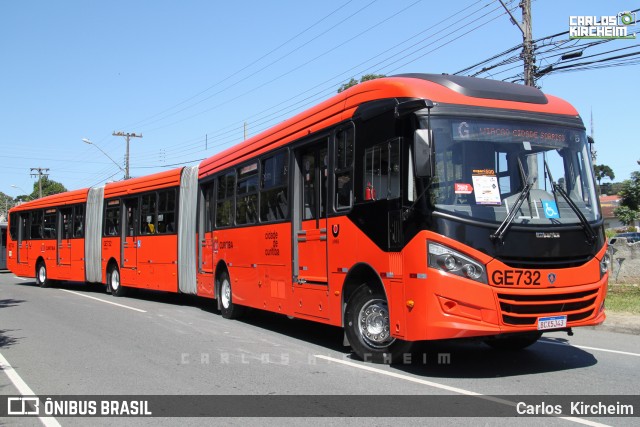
column 523, row 310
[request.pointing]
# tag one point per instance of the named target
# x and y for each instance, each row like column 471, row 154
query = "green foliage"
column 6, row 202
column 354, row 82
column 603, row 171
column 610, row 232
column 625, row 215
column 49, row 187
column 623, row 299
column 629, row 210
column 630, row 192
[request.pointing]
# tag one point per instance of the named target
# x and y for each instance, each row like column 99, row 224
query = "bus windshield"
column 483, row 166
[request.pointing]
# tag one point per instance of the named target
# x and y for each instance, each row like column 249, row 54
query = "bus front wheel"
column 41, row 275
column 368, row 328
column 228, row 309
column 113, row 281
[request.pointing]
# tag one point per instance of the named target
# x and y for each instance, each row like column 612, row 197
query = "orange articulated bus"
column 408, row 208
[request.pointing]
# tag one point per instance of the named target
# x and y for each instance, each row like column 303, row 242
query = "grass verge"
column 623, row 299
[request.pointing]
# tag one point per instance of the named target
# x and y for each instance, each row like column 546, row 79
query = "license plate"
column 553, row 322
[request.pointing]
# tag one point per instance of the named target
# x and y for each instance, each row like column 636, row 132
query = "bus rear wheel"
column 514, row 342
column 113, row 281
column 228, row 309
column 41, row 275
column 368, row 328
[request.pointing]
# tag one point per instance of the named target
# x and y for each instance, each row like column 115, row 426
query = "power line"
column 198, row 143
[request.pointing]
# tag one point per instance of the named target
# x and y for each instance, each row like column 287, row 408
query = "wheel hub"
column 225, row 294
column 373, row 324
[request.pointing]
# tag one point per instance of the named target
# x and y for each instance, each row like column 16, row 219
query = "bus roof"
column 156, row 181
column 60, row 199
column 438, row 88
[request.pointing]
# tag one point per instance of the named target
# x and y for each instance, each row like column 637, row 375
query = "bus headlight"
column 446, row 259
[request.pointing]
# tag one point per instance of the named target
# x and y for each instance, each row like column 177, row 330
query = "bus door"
column 3, row 247
column 129, row 252
column 310, row 228
column 23, row 242
column 64, row 236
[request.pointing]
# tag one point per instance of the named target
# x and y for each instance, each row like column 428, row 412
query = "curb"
column 623, row 323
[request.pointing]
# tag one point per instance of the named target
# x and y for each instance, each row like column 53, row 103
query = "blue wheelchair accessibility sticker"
column 550, row 209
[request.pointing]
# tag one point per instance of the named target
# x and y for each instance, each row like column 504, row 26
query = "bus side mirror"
column 422, row 152
column 590, row 140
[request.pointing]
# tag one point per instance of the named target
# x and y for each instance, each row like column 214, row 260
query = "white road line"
column 364, row 367
column 590, row 348
column 106, row 302
column 21, row 278
column 24, row 389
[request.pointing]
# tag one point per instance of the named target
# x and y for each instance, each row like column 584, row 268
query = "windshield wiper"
column 504, row 227
column 557, row 188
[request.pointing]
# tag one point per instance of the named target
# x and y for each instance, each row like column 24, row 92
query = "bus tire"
column 113, row 281
column 41, row 275
column 513, row 342
column 228, row 309
column 368, row 328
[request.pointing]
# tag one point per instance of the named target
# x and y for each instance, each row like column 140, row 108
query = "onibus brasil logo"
column 602, row 27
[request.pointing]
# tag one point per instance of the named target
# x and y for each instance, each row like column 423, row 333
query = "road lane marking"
column 24, row 389
column 101, row 300
column 590, row 348
column 21, row 278
column 444, row 387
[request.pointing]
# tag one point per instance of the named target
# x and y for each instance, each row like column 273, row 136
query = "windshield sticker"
column 550, row 209
column 486, row 189
column 463, row 188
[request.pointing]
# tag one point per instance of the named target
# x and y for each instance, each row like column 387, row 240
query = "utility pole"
column 527, row 40
column 40, row 172
column 527, row 44
column 127, row 136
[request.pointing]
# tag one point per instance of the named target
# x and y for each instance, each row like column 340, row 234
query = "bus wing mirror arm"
column 411, row 106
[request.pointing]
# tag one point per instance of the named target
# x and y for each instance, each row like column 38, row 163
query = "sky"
column 193, row 76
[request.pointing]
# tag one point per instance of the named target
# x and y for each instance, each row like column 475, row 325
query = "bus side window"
column 273, row 186
column 148, row 214
column 78, row 221
column 343, row 172
column 382, row 171
column 207, row 212
column 112, row 218
column 66, row 215
column 247, row 194
column 224, row 203
column 166, row 211
column 36, row 225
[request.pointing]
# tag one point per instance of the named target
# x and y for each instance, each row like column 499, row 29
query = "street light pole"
column 23, row 190
column 88, row 141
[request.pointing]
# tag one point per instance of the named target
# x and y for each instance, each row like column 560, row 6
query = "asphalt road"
column 73, row 340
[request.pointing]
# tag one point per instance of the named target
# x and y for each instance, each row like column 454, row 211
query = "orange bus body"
column 290, row 247
column 146, row 261
column 64, row 258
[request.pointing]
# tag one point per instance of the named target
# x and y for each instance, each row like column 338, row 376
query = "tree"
column 603, row 171
column 629, row 210
column 6, row 202
column 49, row 187
column 354, row 82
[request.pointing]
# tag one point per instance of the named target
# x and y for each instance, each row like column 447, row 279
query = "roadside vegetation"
column 623, row 299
